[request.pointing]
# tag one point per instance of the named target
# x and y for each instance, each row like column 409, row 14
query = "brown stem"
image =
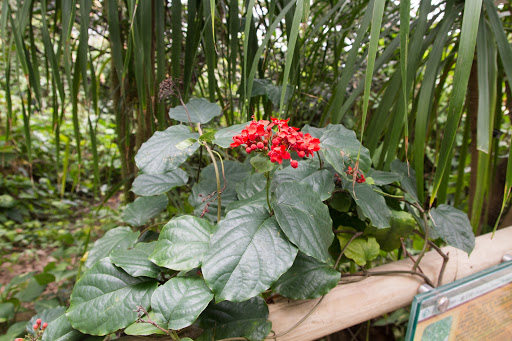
column 445, row 256
column 386, row 273
column 141, row 310
column 425, row 221
column 407, row 254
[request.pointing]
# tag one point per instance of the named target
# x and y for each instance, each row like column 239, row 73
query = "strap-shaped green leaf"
column 104, row 299
column 304, row 219
column 247, row 254
column 180, row 301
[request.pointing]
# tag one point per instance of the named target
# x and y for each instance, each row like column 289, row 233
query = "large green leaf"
column 155, row 184
column 6, row 312
column 159, row 154
column 180, row 301
column 224, row 137
column 228, row 320
column 321, row 181
column 251, row 185
column 262, row 163
column 304, row 219
column 138, row 328
column 198, row 110
column 453, row 227
column 104, row 299
column 361, row 249
column 402, row 224
column 259, row 198
column 247, row 254
column 142, row 209
column 306, row 279
column 182, row 243
column 381, row 178
column 46, row 316
column 120, row 238
column 60, row 330
column 135, row 261
column 372, row 204
column 340, row 147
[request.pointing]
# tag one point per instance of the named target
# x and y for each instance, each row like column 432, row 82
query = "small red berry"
column 301, row 154
column 294, row 164
column 38, row 321
column 248, row 149
column 260, row 145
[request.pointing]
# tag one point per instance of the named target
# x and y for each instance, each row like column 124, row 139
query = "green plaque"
column 478, row 307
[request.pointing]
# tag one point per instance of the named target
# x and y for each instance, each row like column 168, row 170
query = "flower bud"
column 294, row 164
column 38, row 321
column 35, row 326
column 45, row 325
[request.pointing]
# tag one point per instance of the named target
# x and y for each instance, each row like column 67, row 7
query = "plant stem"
column 357, row 234
column 320, row 160
column 425, row 221
column 441, row 253
column 267, row 175
column 386, row 273
column 217, row 176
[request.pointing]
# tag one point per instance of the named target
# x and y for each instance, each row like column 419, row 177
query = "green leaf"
column 264, row 87
column 247, row 254
column 60, row 330
column 360, row 250
column 341, row 202
column 402, row 224
column 321, row 181
column 381, row 178
column 408, row 180
column 155, row 184
column 105, row 297
column 6, row 312
column 15, row 330
column 159, row 154
column 180, row 301
column 30, row 291
column 262, row 163
column 182, row 243
column 259, row 198
column 453, row 227
column 306, row 279
column 207, row 136
column 143, row 209
column 199, row 111
column 46, row 316
column 340, row 147
column 146, row 328
column 120, row 238
column 183, row 145
column 135, row 261
column 370, row 202
column 224, row 137
column 251, row 185
column 304, row 219
column 228, row 319
column 313, row 131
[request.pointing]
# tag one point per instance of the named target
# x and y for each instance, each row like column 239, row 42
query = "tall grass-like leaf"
column 425, row 97
column 460, row 80
column 116, row 48
column 292, row 40
column 209, row 46
column 191, row 44
column 161, row 58
column 405, row 9
column 176, row 35
column 378, row 12
column 247, row 79
column 50, row 53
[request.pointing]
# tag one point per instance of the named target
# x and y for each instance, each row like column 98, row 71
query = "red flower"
column 259, row 134
column 359, row 176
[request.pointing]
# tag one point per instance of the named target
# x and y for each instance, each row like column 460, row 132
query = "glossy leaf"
column 453, row 226
column 259, row 198
column 180, row 301
column 402, row 224
column 321, row 181
column 251, row 185
column 105, row 297
column 381, row 178
column 135, row 261
column 304, row 219
column 155, row 184
column 370, row 202
column 143, row 209
column 247, row 254
column 408, row 181
column 224, row 137
column 306, row 279
column 159, row 154
column 340, row 147
column 198, row 110
column 182, row 243
column 146, row 328
column 361, row 250
column 120, row 238
column 60, row 330
column 229, row 319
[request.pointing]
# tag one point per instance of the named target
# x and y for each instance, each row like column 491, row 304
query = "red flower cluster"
column 359, row 176
column 259, row 134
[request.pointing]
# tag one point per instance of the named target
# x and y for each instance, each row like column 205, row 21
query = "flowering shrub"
column 305, row 207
